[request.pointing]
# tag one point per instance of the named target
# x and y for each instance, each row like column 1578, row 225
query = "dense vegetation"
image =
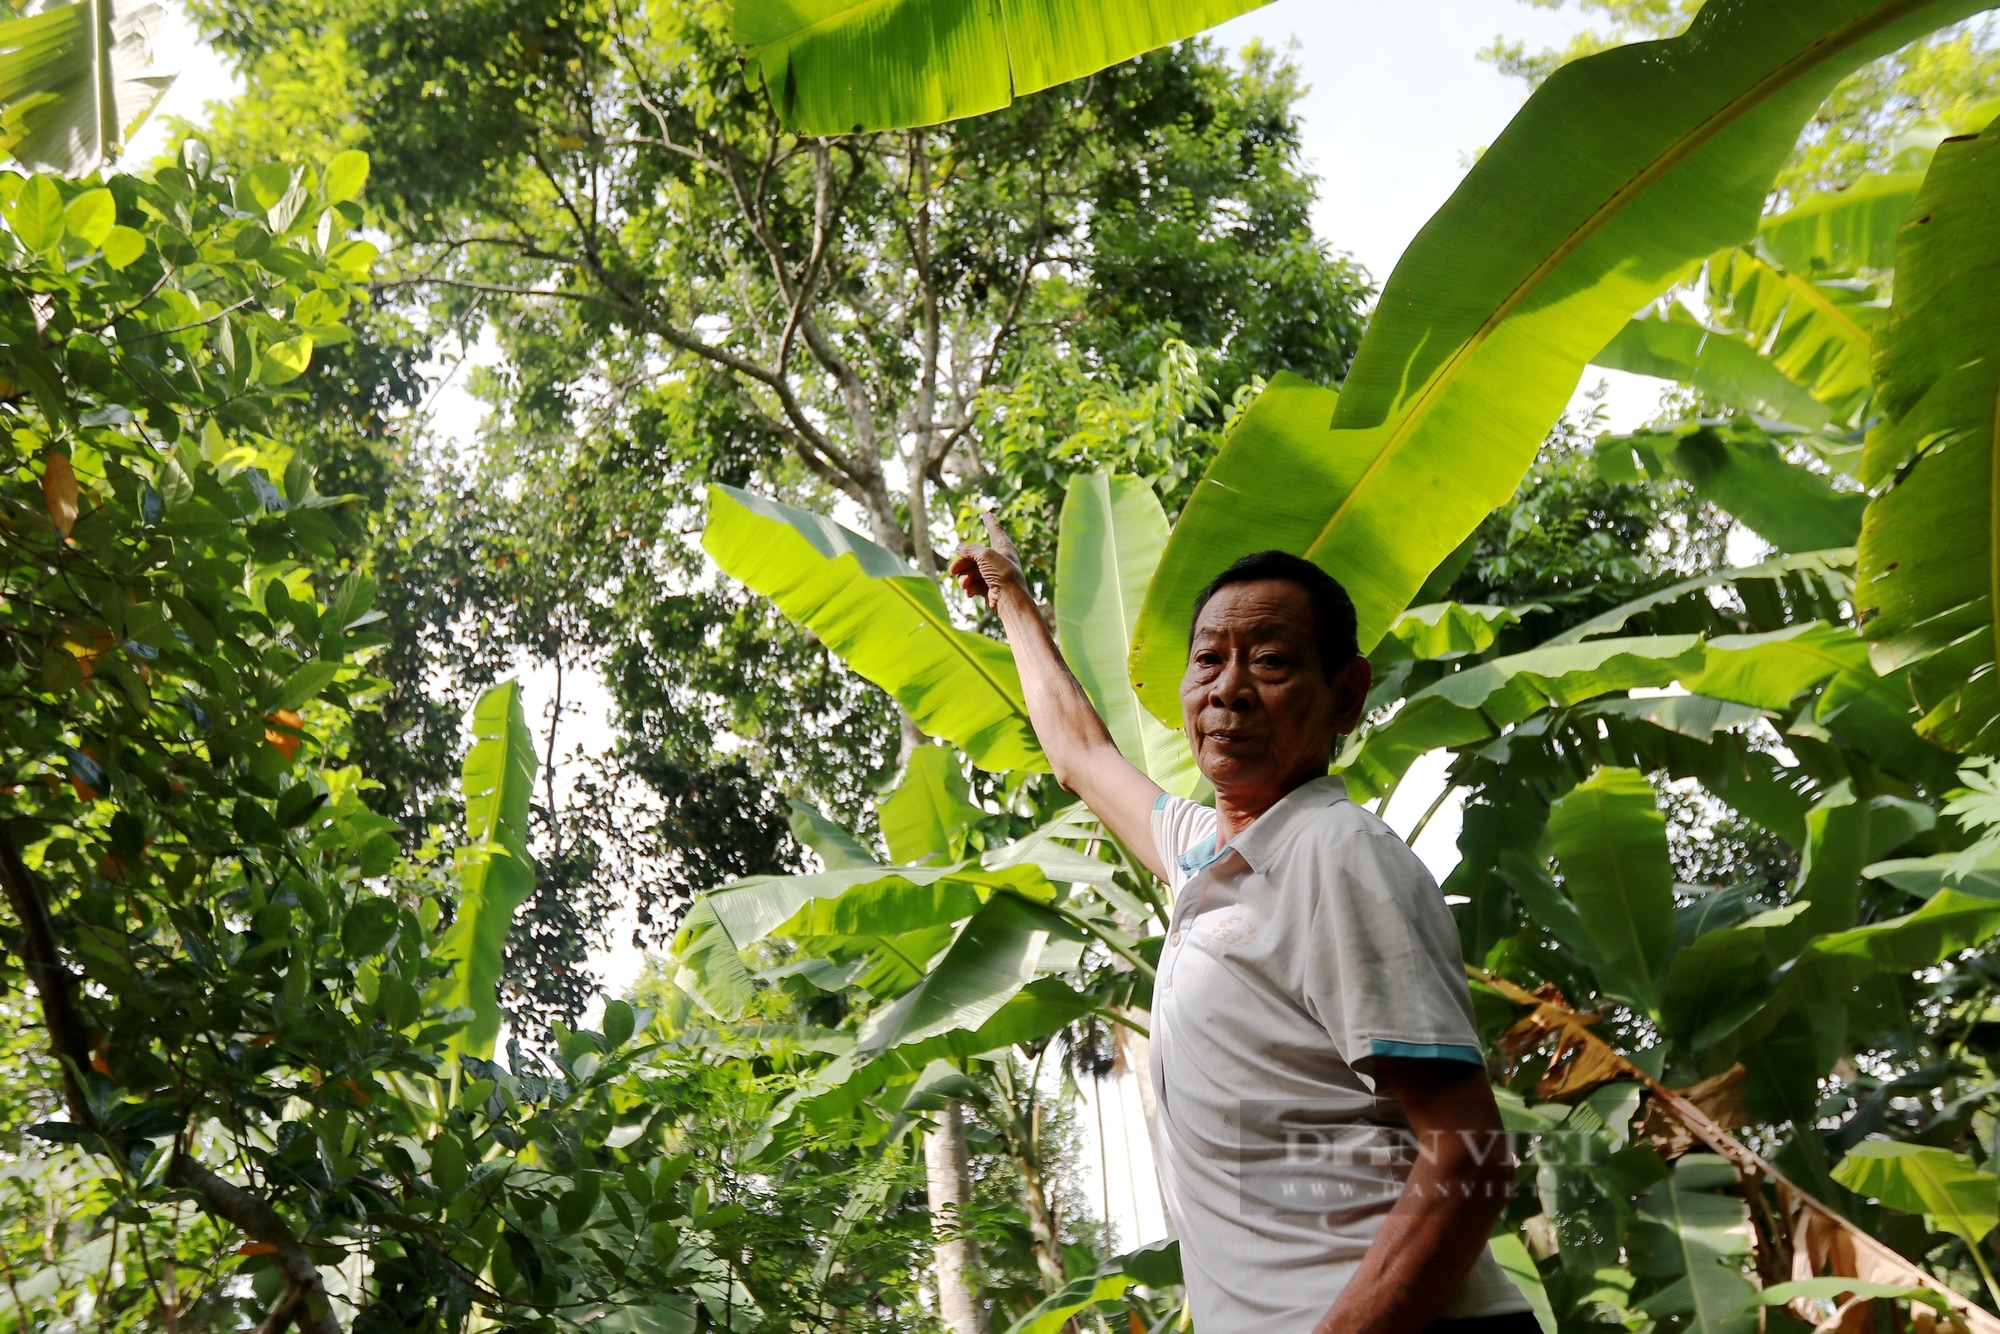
column 295, row 977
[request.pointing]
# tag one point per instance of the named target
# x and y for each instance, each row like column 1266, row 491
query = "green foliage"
column 1929, row 564
column 889, row 622
column 1500, row 301
column 836, row 69
column 77, row 79
column 495, row 872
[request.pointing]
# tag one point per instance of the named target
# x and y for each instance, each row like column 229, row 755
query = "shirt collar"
column 1255, row 844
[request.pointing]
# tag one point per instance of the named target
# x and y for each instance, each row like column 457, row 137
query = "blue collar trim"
column 1200, row 857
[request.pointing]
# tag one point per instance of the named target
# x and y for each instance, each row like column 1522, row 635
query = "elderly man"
column 1329, row 1149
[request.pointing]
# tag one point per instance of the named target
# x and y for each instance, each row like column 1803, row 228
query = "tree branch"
column 312, row 1311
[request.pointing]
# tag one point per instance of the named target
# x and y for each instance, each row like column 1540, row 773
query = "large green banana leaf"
column 1618, row 177
column 844, row 66
column 1826, row 570
column 1737, row 466
column 1477, row 703
column 1441, row 631
column 495, row 873
column 992, row 958
column 1766, row 671
column 1723, row 366
column 724, row 922
column 929, row 815
column 1820, row 334
column 1839, row 231
column 1950, row 1192
column 884, row 620
column 1929, row 568
column 75, row 80
column 1611, row 842
column 1113, row 530
column 838, row 850
column 1692, row 1229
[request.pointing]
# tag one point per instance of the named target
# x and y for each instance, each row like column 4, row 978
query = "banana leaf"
column 1112, row 532
column 495, row 873
column 930, row 814
column 1839, row 231
column 1738, row 467
column 839, row 67
column 1819, row 334
column 1442, row 631
column 1723, row 366
column 75, row 81
column 1928, row 579
column 992, row 958
column 1622, row 172
column 880, row 617
column 1950, row 1192
column 1693, row 1231
column 1479, row 702
column 1610, row 840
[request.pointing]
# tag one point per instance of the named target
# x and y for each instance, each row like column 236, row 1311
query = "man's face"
column 1260, row 713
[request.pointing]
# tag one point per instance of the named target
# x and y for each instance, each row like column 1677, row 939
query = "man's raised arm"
column 1080, row 749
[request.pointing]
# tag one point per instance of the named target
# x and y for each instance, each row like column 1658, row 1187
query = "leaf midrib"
column 1683, row 148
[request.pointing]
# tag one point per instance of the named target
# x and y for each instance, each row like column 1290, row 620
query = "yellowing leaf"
column 59, row 492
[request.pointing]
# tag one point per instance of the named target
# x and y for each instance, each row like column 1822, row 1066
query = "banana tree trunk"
column 956, row 1255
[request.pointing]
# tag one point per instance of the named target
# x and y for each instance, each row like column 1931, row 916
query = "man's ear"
column 1350, row 694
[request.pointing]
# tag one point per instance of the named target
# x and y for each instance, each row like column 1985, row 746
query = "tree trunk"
column 950, row 1181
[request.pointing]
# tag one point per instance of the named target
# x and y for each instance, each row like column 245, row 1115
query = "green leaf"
column 1741, row 471
column 1519, row 1267
column 1055, row 1311
column 286, row 361
column 1690, row 1230
column 1611, row 841
column 992, row 958
column 929, row 815
column 495, row 872
column 75, row 81
column 36, row 214
column 89, row 216
column 345, row 175
column 1839, row 231
column 1949, row 921
column 1819, row 335
column 1620, row 174
column 1676, row 346
column 838, row 850
column 1113, row 530
column 368, row 926
column 304, row 685
column 123, row 246
column 1929, row 572
column 1441, row 631
column 884, row 621
column 1477, row 703
column 840, row 67
column 1946, row 1188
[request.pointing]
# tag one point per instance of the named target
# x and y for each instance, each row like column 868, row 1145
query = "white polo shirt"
column 1315, row 942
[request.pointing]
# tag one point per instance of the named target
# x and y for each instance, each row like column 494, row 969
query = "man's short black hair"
column 1333, row 610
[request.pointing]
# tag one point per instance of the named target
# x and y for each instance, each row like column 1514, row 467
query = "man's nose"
column 1231, row 687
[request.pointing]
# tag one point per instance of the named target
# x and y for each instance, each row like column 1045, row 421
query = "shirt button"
column 1174, row 939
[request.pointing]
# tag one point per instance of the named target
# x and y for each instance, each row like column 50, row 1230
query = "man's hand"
column 991, row 571
column 1081, row 752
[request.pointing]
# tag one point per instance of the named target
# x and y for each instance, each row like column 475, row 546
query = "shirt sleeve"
column 1184, row 836
column 1383, row 973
